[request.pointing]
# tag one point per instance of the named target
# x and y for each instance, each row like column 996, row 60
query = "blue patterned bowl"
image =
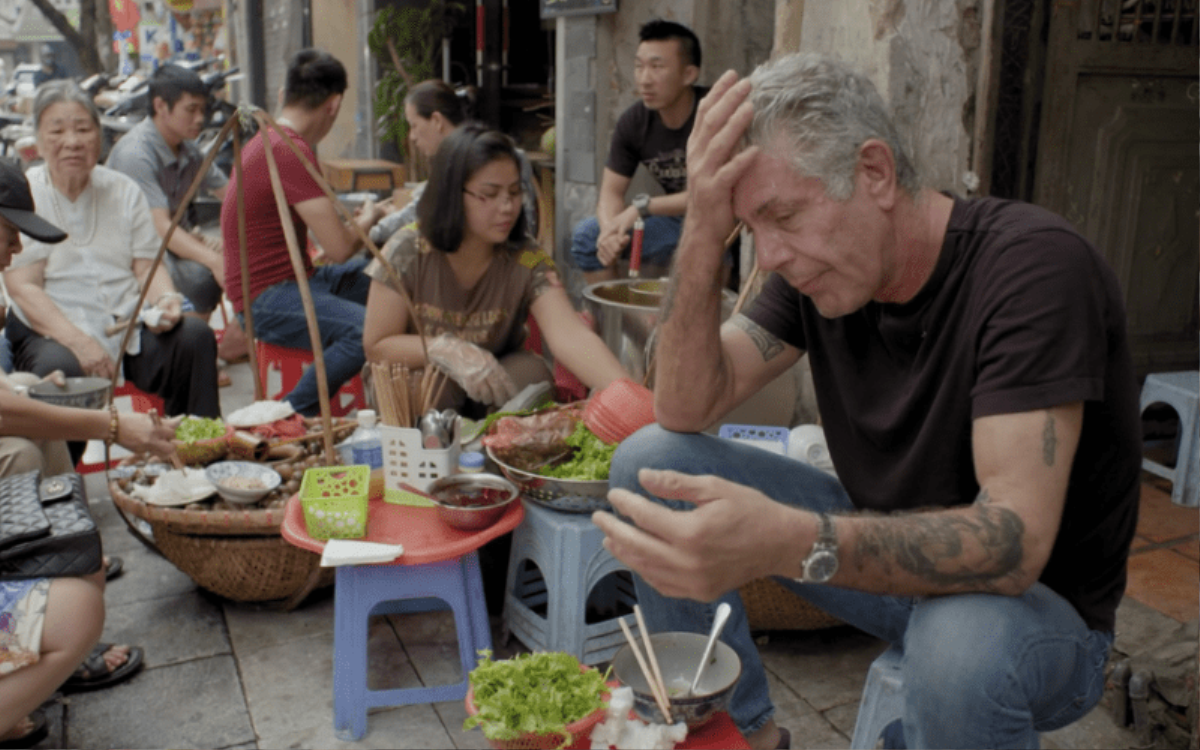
column 242, row 482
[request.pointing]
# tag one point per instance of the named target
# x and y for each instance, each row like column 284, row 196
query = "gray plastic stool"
column 882, row 699
column 566, row 547
column 1180, row 391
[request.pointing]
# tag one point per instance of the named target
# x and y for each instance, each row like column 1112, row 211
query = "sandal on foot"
column 41, row 728
column 223, row 379
column 116, row 566
column 94, row 674
column 785, row 740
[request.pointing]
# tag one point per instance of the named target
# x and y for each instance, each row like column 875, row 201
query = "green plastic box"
column 334, row 499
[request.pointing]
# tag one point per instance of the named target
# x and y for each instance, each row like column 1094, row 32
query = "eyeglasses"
column 501, row 197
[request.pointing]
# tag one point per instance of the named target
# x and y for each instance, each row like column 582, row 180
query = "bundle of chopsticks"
column 650, row 670
column 405, row 394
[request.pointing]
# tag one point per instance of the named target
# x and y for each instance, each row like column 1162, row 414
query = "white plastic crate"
column 407, row 461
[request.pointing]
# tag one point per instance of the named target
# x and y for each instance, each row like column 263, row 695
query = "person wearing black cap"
column 53, row 625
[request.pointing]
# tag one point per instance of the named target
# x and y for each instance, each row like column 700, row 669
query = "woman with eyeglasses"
column 474, row 276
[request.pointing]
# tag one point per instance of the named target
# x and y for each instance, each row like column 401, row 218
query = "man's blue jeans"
column 339, row 295
column 658, row 242
column 980, row 670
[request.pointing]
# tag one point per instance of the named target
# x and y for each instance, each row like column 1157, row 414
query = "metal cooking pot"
column 626, row 315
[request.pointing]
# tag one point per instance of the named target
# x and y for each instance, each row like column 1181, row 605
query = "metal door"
column 1117, row 156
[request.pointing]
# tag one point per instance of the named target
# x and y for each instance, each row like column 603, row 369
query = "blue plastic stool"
column 1180, row 391
column 566, row 547
column 882, row 699
column 360, row 592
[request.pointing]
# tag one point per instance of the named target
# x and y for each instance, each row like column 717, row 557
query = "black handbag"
column 46, row 529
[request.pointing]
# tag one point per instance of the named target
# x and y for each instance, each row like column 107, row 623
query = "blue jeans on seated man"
column 339, row 295
column 979, row 670
column 658, row 242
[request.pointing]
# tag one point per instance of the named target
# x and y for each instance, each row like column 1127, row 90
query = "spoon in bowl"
column 719, row 620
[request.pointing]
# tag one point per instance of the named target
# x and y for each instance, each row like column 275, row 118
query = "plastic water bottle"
column 366, row 444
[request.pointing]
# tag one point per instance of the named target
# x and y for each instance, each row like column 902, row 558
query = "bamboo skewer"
column 660, row 696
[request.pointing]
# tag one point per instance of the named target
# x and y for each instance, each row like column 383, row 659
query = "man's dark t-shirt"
column 1021, row 313
column 641, row 138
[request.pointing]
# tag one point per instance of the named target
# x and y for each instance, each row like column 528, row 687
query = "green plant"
column 406, row 41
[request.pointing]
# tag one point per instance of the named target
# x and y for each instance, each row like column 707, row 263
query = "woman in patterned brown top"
column 474, row 276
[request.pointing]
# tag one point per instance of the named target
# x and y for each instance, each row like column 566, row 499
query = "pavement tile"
column 1160, row 520
column 825, row 667
column 1167, row 581
column 253, row 627
column 1190, row 548
column 147, row 576
column 289, row 687
column 1140, row 627
column 842, row 718
column 170, row 630
column 404, row 727
column 431, row 640
column 196, row 704
column 809, row 728
column 453, row 714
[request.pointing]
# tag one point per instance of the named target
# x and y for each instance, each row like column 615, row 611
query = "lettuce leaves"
column 533, row 694
column 591, row 461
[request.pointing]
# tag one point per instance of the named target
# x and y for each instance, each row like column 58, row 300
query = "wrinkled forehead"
column 66, row 113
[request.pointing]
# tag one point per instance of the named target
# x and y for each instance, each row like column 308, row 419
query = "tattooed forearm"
column 972, row 551
column 768, row 345
column 1049, row 440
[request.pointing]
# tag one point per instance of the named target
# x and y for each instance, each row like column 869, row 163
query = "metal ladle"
column 719, row 620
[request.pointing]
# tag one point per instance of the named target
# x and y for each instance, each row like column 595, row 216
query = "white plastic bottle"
column 366, row 444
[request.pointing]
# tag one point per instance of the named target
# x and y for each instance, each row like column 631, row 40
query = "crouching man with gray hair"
column 974, row 380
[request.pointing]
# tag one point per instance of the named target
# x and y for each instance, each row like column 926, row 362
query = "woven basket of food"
column 771, row 606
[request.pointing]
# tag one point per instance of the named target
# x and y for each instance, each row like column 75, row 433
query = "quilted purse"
column 46, row 529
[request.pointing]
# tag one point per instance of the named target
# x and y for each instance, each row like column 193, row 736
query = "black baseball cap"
column 16, row 205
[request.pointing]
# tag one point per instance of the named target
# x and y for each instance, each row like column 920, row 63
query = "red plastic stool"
column 140, row 402
column 290, row 364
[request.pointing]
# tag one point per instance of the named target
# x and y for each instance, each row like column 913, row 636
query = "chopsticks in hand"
column 657, row 689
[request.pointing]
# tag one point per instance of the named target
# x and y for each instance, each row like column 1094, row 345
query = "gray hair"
column 59, row 91
column 825, row 111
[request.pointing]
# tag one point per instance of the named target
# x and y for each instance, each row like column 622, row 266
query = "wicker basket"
column 239, row 555
column 771, row 606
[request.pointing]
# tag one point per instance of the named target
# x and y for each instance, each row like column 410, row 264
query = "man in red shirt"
column 312, row 97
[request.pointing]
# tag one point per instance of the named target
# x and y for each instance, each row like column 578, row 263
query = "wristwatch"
column 822, row 562
column 641, row 202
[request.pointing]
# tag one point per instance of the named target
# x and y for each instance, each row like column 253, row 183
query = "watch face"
column 820, row 567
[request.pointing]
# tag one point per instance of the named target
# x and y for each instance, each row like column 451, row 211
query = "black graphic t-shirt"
column 641, row 138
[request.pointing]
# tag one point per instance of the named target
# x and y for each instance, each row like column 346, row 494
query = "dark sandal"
column 116, row 566
column 93, row 673
column 785, row 740
column 41, row 728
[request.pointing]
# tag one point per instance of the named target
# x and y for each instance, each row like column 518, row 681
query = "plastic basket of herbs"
column 535, row 701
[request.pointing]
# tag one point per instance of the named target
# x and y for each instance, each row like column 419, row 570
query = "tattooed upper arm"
column 768, row 344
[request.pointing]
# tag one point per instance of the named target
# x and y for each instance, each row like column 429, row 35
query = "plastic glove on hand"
column 475, row 369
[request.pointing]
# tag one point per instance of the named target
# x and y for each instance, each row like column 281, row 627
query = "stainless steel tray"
column 570, row 495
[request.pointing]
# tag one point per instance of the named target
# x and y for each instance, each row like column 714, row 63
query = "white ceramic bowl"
column 242, row 482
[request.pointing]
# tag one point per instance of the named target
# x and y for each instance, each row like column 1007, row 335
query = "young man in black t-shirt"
column 973, row 374
column 653, row 132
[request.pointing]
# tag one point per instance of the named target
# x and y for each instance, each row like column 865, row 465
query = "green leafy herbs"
column 532, row 694
column 192, row 429
column 591, row 460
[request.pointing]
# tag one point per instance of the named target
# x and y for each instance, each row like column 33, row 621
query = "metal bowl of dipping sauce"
column 470, row 502
column 82, row 393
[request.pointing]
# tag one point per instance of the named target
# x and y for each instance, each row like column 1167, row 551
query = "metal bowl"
column 678, row 655
column 449, row 492
column 82, row 393
column 570, row 495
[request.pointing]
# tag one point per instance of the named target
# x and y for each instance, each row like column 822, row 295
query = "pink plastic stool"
column 291, row 364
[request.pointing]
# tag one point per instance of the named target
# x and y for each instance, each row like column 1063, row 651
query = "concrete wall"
column 336, row 29
column 924, row 57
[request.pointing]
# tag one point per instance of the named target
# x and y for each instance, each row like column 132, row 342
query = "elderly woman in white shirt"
column 69, row 297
